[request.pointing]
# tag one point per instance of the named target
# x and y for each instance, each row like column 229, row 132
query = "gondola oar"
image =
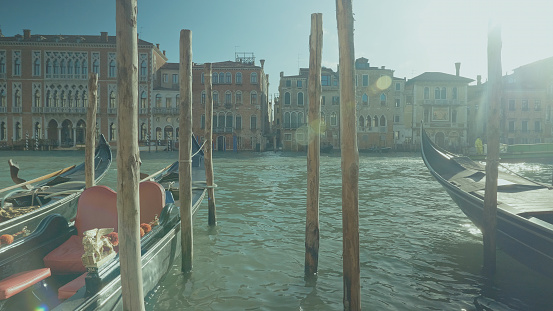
column 147, row 177
column 56, row 173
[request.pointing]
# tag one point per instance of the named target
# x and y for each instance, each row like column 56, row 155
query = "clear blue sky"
column 408, row 36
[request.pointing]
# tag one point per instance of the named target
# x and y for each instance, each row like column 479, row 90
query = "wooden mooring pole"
column 492, row 158
column 185, row 149
column 128, row 158
column 91, row 129
column 350, row 157
column 314, row 148
column 211, row 217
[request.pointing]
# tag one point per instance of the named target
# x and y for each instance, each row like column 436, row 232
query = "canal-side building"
column 44, row 86
column 241, row 112
column 440, row 101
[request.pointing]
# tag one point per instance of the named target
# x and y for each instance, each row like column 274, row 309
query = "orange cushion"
column 72, row 287
column 20, row 281
column 152, row 200
column 97, row 208
column 66, row 259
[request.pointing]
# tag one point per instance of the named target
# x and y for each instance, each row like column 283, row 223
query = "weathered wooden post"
column 492, row 158
column 185, row 149
column 128, row 158
column 350, row 157
column 211, row 217
column 314, row 148
column 91, row 129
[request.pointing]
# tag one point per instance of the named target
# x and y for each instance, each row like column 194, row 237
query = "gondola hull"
column 524, row 213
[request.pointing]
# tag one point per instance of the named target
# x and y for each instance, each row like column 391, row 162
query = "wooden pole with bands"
column 128, row 159
column 492, row 157
column 314, row 148
column 208, row 156
column 91, row 129
column 185, row 149
column 350, row 157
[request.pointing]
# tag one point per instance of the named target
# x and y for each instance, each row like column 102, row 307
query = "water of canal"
column 418, row 251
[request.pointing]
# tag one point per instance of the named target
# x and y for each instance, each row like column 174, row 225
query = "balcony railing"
column 160, row 110
column 16, row 109
column 66, row 76
column 112, row 110
column 143, row 110
column 61, row 109
column 222, row 130
column 3, row 109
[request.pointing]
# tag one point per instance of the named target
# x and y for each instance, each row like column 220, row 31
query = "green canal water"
column 418, row 251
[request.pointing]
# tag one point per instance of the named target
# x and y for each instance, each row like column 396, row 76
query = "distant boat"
column 326, row 147
column 522, row 152
column 524, row 211
column 56, row 192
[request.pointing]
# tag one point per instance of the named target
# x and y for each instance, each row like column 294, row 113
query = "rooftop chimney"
column 27, row 34
column 157, row 45
column 282, row 74
column 262, row 61
column 163, row 52
column 383, row 67
column 104, row 36
column 457, row 68
column 478, row 79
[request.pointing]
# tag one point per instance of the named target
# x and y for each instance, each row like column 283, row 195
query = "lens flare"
column 383, row 82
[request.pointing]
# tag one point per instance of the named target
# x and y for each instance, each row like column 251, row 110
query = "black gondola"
column 55, row 195
column 48, row 262
column 524, row 211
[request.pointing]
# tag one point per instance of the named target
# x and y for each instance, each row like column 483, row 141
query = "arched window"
column 333, row 119
column 56, row 67
column 287, row 119
column 17, row 67
column 3, row 131
column 177, row 100
column 215, row 97
column 444, row 93
column 238, row 78
column 238, row 123
column 382, row 99
column 77, row 99
column 158, row 100
column 202, row 78
column 294, row 120
column 203, row 97
column 437, row 93
column 84, row 99
column 112, row 71
column 77, row 67
column 85, row 68
column 238, row 97
column 56, row 99
column 62, row 67
column 300, row 119
column 214, row 78
column 253, row 78
column 253, row 122
column 143, row 101
column 48, row 67
column 454, row 93
column 365, row 98
column 70, row 98
column 202, row 121
column 143, row 68
column 96, row 67
column 2, row 98
column 112, row 132
column 36, row 68
column 229, row 120
column 323, row 121
column 228, row 78
column 143, row 131
column 382, row 121
column 70, row 67
column 361, row 123
column 2, row 65
column 48, row 99
column 287, row 98
column 300, row 98
column 221, row 77
column 253, row 98
column 369, row 122
column 17, row 131
column 38, row 130
column 112, row 103
column 63, row 99
column 37, row 98
column 158, row 133
column 375, row 121
column 221, row 120
column 228, row 97
column 17, row 99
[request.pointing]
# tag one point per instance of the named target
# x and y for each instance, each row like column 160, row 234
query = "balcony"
column 75, row 110
column 112, row 110
column 16, row 109
column 453, row 102
column 3, row 109
column 222, row 130
column 143, row 111
column 160, row 110
column 37, row 110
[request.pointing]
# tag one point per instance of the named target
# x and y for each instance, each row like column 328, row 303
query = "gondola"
column 524, row 210
column 22, row 208
column 54, row 267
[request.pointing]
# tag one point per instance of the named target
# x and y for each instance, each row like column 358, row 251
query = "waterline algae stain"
column 418, row 251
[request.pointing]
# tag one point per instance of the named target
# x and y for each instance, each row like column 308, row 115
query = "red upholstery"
column 97, row 208
column 72, row 287
column 152, row 200
column 20, row 281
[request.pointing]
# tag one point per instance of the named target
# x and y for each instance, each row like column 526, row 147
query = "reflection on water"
column 418, row 251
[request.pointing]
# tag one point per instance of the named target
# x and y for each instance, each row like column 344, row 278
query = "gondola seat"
column 72, row 287
column 18, row 282
column 152, row 200
column 97, row 208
